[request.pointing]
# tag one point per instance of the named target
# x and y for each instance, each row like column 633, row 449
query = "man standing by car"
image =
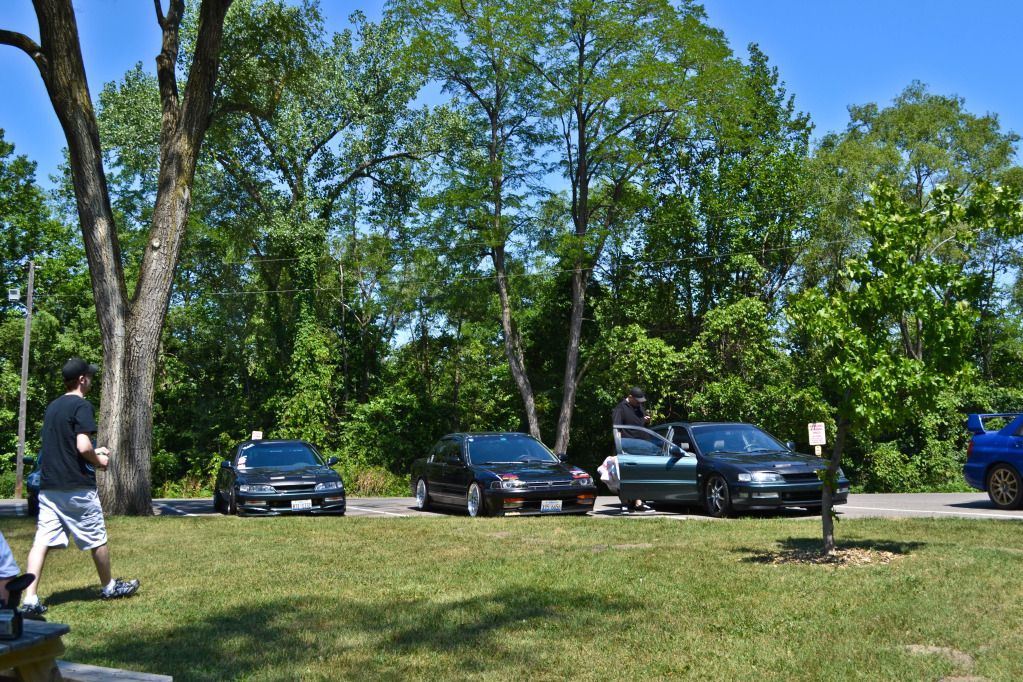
column 630, row 412
column 68, row 499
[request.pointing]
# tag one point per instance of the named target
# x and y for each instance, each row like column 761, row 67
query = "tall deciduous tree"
column 130, row 325
column 618, row 78
column 475, row 49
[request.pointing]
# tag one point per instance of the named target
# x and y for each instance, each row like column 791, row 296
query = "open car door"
column 651, row 467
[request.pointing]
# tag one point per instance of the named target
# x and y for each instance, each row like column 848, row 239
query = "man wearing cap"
column 630, row 412
column 68, row 500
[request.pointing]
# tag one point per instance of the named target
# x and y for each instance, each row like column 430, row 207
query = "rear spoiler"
column 975, row 422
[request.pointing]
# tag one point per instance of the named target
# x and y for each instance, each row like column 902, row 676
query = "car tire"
column 475, row 502
column 717, row 500
column 1004, row 487
column 232, row 505
column 218, row 502
column 422, row 495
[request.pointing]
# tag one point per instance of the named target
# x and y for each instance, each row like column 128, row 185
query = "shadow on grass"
column 811, row 550
column 76, row 595
column 284, row 639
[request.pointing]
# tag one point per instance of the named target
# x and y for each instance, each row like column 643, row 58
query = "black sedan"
column 500, row 474
column 272, row 477
column 725, row 466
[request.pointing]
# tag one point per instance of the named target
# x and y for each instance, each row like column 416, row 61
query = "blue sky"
column 830, row 53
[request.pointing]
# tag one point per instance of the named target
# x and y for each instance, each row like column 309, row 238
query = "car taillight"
column 969, row 449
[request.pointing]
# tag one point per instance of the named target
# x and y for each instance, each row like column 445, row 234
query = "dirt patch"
column 851, row 556
column 957, row 657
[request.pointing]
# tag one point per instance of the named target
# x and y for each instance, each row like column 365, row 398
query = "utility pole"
column 23, row 402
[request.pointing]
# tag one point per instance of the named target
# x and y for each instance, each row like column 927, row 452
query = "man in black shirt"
column 68, row 500
column 630, row 412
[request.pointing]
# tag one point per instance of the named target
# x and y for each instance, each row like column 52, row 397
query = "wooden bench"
column 33, row 658
column 80, row 672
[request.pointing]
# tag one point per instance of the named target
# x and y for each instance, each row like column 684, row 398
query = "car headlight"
column 761, row 477
column 330, row 485
column 582, row 481
column 510, row 483
column 256, row 488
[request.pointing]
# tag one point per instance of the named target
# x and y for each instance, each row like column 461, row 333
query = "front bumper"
column 286, row 504
column 512, row 502
column 779, row 496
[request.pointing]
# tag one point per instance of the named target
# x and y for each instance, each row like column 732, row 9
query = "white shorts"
column 8, row 566
column 70, row 512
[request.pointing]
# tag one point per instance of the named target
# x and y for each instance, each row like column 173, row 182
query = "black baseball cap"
column 76, row 367
column 638, row 394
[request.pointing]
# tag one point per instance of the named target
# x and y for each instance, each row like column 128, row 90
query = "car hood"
column 790, row 461
column 537, row 471
column 268, row 474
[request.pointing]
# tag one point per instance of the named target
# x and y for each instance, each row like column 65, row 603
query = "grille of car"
column 294, row 486
column 543, row 485
column 809, row 476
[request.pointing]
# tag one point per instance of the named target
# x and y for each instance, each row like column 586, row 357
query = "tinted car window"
column 284, row 455
column 508, row 449
column 734, row 438
column 641, row 446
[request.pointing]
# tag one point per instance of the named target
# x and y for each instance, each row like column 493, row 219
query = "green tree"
column 898, row 331
column 618, row 78
column 130, row 325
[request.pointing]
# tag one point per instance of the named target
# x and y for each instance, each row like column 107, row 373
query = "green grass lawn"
column 546, row 598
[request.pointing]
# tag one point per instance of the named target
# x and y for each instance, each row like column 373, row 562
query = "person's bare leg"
column 101, row 557
column 36, row 557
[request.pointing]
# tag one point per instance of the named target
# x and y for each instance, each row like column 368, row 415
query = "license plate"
column 301, row 504
column 550, row 505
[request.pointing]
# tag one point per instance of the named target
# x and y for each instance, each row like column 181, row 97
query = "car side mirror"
column 226, row 464
column 29, row 460
column 790, row 444
column 675, row 451
column 562, row 456
column 332, row 461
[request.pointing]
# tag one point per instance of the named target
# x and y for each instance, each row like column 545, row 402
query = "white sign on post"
column 817, row 436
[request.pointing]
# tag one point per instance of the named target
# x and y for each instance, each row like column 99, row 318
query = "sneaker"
column 643, row 508
column 33, row 611
column 121, row 588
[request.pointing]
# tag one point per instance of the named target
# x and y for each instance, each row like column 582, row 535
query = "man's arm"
column 98, row 456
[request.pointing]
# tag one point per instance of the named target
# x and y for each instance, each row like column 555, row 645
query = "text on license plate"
column 301, row 504
column 550, row 505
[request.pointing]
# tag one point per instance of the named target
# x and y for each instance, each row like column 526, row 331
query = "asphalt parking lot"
column 932, row 505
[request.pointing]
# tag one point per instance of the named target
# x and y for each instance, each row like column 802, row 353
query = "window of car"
column 450, row 451
column 642, row 447
column 510, row 448
column 734, row 438
column 278, row 456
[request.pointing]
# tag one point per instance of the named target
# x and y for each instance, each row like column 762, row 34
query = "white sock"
column 30, row 601
column 110, row 585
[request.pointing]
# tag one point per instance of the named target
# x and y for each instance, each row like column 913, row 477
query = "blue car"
column 994, row 457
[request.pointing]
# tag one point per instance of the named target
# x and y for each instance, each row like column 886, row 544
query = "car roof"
column 705, row 424
column 486, row 434
column 275, row 441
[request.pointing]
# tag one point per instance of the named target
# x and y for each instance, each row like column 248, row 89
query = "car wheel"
column 422, row 495
column 1004, row 487
column 474, row 502
column 716, row 498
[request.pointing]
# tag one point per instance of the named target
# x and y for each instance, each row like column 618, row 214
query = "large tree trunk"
column 130, row 329
column 513, row 346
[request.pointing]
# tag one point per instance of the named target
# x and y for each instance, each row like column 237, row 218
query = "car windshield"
column 277, row 456
column 712, row 438
column 498, row 449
